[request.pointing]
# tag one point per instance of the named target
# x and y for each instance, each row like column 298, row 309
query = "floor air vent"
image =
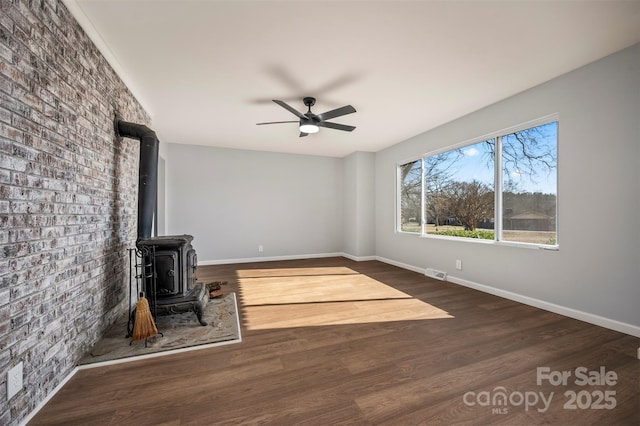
column 434, row 273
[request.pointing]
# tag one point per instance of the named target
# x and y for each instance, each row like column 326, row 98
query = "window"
column 459, row 193
column 529, row 185
column 410, row 176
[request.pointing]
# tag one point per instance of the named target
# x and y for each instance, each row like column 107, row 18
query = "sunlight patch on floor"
column 283, row 272
column 302, row 297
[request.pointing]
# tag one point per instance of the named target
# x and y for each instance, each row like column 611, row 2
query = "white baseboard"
column 267, row 259
column 401, row 265
column 552, row 307
column 42, row 403
column 358, row 258
column 609, row 323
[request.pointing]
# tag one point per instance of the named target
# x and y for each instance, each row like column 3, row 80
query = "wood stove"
column 173, row 288
column 169, row 262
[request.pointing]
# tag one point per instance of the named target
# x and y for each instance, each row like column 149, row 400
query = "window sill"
column 516, row 244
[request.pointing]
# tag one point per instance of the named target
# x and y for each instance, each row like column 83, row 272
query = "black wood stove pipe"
column 148, row 172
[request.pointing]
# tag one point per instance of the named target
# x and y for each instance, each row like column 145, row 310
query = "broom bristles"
column 144, row 326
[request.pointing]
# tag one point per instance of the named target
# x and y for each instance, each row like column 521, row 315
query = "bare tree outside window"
column 470, row 203
column 438, row 172
column 459, row 191
column 411, row 196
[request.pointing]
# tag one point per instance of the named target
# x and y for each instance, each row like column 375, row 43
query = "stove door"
column 167, row 279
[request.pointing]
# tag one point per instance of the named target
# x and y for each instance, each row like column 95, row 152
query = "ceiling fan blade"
column 289, row 108
column 277, row 122
column 348, row 109
column 303, row 134
column 335, row 126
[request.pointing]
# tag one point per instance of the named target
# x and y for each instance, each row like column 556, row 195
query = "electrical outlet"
column 459, row 264
column 260, row 248
column 14, row 380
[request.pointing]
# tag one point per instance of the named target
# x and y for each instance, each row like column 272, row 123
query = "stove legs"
column 196, row 301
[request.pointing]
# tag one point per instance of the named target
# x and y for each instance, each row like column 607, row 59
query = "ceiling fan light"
column 309, row 128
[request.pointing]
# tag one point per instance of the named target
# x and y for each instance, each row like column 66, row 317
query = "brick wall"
column 68, row 197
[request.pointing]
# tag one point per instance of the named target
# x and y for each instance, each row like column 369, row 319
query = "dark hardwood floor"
column 331, row 341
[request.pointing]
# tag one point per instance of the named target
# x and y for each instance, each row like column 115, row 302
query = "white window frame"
column 498, row 186
column 398, row 216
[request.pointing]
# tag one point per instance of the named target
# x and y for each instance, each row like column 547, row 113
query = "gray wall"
column 232, row 201
column 358, row 239
column 596, row 271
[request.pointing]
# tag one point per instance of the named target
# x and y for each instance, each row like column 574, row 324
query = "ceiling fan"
column 310, row 122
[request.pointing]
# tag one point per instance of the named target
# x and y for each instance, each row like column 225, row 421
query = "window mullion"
column 398, row 199
column 497, row 190
column 423, row 211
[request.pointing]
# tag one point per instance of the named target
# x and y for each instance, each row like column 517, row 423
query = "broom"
column 144, row 325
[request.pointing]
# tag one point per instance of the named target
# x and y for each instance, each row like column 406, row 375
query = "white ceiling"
column 206, row 71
